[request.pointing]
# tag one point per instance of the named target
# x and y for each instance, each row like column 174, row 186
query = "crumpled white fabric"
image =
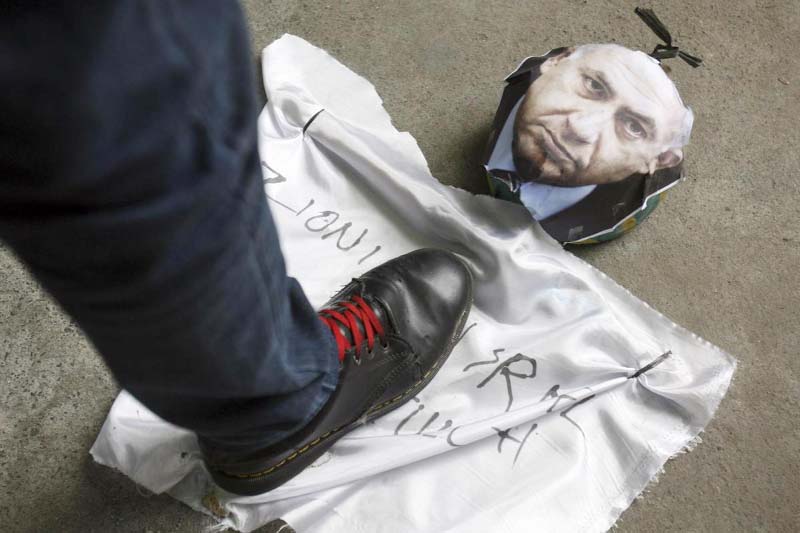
column 538, row 420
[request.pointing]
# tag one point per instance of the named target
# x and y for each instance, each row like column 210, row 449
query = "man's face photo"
column 597, row 114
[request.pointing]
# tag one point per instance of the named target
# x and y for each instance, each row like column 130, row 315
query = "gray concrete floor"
column 720, row 256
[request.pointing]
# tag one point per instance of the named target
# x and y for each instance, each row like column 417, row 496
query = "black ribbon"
column 668, row 50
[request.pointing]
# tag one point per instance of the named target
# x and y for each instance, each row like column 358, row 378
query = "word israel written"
column 524, row 369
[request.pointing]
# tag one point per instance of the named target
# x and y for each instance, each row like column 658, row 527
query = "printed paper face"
column 585, row 135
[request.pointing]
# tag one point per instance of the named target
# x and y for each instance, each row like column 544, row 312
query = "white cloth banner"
column 563, row 399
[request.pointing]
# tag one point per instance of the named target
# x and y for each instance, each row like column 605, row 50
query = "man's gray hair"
column 685, row 131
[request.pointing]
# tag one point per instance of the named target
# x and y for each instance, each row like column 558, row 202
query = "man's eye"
column 634, row 128
column 595, row 88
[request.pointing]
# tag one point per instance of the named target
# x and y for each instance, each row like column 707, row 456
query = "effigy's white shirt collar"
column 541, row 200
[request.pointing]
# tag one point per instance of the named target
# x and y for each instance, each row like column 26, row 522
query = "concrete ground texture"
column 720, row 256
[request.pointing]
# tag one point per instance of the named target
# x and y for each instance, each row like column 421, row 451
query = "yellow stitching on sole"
column 326, row 435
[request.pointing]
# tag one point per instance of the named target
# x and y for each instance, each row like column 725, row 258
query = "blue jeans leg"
column 131, row 189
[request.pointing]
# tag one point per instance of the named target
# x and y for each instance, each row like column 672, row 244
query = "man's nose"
column 584, row 128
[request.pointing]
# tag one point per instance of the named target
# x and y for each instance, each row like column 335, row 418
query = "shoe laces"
column 354, row 315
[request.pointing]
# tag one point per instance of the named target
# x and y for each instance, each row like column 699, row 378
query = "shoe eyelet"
column 357, row 360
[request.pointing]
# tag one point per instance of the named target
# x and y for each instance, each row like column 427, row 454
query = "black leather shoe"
column 394, row 327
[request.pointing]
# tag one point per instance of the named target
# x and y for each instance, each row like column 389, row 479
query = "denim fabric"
column 130, row 186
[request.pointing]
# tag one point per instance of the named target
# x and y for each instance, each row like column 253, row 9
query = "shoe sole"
column 251, row 484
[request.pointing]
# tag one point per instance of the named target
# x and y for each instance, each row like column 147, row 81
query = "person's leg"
column 131, row 188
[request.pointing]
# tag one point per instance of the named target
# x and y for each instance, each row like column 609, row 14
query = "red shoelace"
column 349, row 314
